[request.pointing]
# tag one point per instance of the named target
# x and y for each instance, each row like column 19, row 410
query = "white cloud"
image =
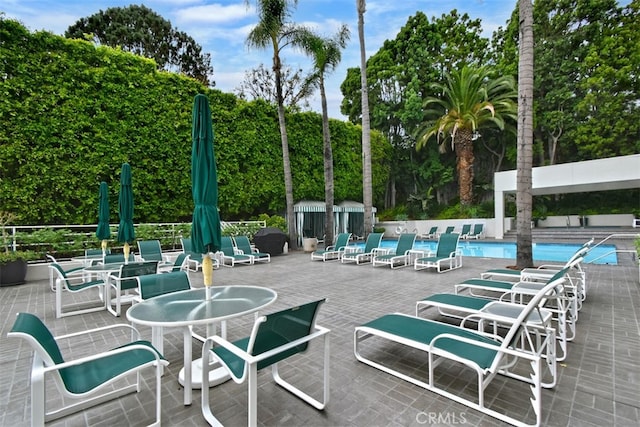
column 214, row 13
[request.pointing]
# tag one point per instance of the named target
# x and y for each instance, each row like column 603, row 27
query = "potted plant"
column 13, row 264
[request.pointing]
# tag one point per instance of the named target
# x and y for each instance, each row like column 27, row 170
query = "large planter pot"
column 13, row 273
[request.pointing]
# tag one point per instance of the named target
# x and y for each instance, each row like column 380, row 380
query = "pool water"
column 554, row 252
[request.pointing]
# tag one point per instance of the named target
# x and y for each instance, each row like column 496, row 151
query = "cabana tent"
column 310, row 218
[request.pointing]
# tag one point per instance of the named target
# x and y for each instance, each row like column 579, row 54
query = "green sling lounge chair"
column 195, row 259
column 466, row 230
column 477, row 232
column 400, row 256
column 360, row 255
column 243, row 244
column 446, row 254
column 485, row 354
column 87, row 381
column 431, row 234
column 231, row 255
column 274, row 338
column 334, row 251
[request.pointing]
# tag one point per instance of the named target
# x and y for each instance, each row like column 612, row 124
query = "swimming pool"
column 554, row 252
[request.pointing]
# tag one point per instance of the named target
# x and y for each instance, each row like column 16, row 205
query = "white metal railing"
column 615, row 251
column 172, row 231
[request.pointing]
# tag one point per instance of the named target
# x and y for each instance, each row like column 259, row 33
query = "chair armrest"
column 100, row 329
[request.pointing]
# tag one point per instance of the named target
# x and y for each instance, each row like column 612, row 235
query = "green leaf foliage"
column 72, row 113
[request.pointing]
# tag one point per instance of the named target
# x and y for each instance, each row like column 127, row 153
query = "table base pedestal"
column 217, row 375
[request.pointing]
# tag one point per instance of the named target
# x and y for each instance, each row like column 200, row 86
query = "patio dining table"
column 185, row 309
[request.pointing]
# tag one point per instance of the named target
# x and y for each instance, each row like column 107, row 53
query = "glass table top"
column 190, row 308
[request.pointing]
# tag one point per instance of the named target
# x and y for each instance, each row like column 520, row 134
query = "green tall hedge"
column 72, row 113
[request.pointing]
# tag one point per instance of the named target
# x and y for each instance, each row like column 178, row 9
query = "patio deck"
column 598, row 384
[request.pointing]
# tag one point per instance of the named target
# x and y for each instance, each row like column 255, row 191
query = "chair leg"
column 299, row 393
column 38, row 403
column 253, row 395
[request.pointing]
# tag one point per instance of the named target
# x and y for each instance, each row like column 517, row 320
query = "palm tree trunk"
column 465, row 159
column 286, row 162
column 328, row 167
column 367, row 190
column 524, row 252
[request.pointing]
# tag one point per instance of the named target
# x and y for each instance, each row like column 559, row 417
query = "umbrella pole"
column 126, row 250
column 207, row 272
column 104, row 247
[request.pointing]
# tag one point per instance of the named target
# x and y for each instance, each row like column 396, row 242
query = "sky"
column 221, row 27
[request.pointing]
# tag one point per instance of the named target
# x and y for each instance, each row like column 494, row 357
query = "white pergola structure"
column 614, row 173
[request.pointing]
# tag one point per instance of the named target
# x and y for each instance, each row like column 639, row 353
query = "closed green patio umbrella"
column 126, row 232
column 103, row 232
column 205, row 227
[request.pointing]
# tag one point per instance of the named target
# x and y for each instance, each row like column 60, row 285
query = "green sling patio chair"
column 52, row 275
column 400, row 256
column 273, row 339
column 181, row 263
column 332, row 252
column 447, row 254
column 230, row 255
column 87, row 380
column 150, row 250
column 125, row 281
column 72, row 283
column 242, row 243
column 483, row 353
column 153, row 285
column 360, row 255
column 117, row 258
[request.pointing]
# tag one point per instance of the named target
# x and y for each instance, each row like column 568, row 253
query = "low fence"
column 75, row 239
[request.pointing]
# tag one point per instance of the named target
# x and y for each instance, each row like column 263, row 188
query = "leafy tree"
column 471, row 99
column 259, row 83
column 524, row 201
column 326, row 54
column 142, row 31
column 366, row 126
column 399, row 76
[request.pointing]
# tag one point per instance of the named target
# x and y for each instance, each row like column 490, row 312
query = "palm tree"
column 524, row 251
column 326, row 54
column 274, row 30
column 470, row 100
column 367, row 186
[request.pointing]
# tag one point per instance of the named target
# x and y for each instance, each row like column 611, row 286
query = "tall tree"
column 524, row 202
column 142, row 31
column 471, row 99
column 273, row 30
column 367, row 191
column 326, row 54
column 259, row 83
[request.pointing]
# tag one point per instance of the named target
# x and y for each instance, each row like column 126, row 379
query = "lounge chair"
column 195, row 259
column 565, row 312
column 74, row 282
column 447, row 253
column 431, row 234
column 457, row 305
column 181, row 263
column 274, row 338
column 87, row 380
column 334, row 251
column 400, row 256
column 466, row 229
column 486, row 354
column 358, row 254
column 447, row 230
column 242, row 243
column 477, row 232
column 230, row 255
